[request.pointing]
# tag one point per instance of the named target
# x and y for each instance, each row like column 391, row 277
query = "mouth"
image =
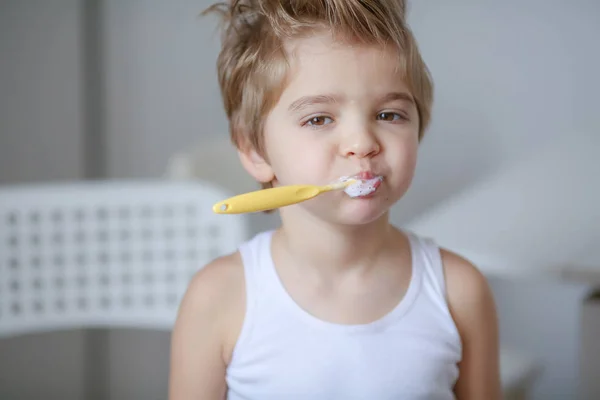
column 365, row 186
column 364, row 176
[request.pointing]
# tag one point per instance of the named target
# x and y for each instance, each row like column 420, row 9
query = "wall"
column 40, row 140
column 531, row 218
column 509, row 75
column 161, row 95
column 40, row 90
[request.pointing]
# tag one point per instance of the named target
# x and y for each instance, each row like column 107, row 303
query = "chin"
column 360, row 220
column 362, row 211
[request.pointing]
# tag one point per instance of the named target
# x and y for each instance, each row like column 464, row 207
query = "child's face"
column 345, row 111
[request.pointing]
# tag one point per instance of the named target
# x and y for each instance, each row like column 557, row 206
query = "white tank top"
column 283, row 352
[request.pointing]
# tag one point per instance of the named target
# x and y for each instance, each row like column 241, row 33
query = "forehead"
column 322, row 43
column 322, row 63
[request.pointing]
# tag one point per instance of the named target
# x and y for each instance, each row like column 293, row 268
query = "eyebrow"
column 393, row 96
column 307, row 101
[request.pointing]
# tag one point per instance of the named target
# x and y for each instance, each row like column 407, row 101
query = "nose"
column 360, row 143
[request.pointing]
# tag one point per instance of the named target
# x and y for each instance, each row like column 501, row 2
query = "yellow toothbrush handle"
column 267, row 199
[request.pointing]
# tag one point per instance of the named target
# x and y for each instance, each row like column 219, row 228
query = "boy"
column 336, row 303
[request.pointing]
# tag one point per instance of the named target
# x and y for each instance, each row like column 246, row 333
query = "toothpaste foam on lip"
column 361, row 187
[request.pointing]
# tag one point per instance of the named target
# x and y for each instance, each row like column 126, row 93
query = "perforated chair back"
column 105, row 254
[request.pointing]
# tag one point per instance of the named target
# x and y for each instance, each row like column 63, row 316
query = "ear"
column 256, row 165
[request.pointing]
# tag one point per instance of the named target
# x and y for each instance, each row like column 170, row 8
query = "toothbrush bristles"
column 343, row 185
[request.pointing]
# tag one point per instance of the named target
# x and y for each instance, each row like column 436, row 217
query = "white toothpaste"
column 361, row 187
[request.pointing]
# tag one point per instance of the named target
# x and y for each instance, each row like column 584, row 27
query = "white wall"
column 162, row 93
column 532, row 218
column 40, row 140
column 510, row 75
column 40, row 90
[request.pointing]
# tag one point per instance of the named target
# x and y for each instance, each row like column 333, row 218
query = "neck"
column 332, row 249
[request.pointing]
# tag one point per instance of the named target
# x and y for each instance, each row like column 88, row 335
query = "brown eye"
column 319, row 121
column 388, row 116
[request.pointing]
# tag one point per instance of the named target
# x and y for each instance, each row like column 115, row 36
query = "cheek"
column 410, row 155
column 297, row 158
column 404, row 157
column 301, row 165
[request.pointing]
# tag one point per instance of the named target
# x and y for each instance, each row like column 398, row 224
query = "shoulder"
column 206, row 323
column 209, row 282
column 215, row 300
column 472, row 307
column 469, row 294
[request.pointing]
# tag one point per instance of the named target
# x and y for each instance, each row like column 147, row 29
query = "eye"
column 319, row 121
column 389, row 116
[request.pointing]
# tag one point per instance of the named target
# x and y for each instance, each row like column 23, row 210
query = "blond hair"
column 252, row 65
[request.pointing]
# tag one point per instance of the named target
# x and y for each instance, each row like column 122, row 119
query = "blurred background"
column 126, row 91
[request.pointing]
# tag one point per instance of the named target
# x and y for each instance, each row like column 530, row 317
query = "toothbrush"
column 269, row 199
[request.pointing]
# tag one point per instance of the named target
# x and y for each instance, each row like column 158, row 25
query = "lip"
column 376, row 185
column 365, row 175
column 366, row 186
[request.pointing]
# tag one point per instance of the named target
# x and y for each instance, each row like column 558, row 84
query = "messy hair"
column 252, row 65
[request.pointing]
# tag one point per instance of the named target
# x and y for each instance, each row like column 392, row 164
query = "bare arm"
column 473, row 309
column 207, row 324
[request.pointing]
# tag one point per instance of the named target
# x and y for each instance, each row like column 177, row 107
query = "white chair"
column 105, row 254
